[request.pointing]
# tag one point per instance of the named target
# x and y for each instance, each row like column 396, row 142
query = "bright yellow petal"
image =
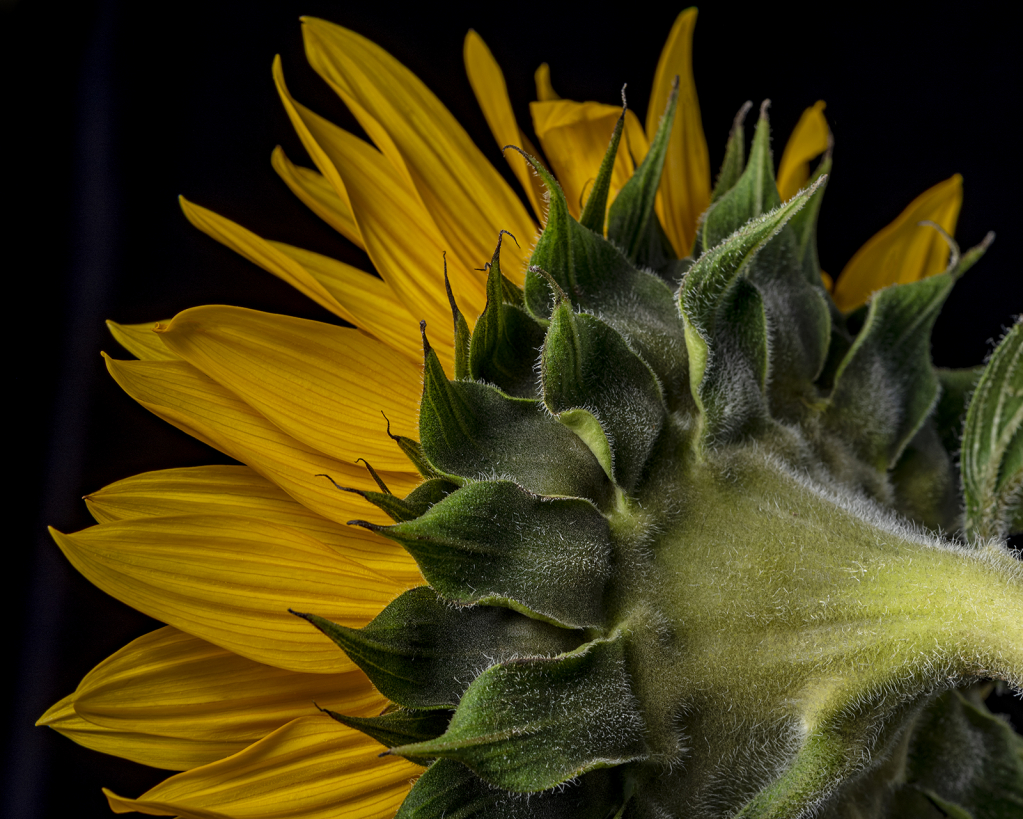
column 809, row 139
column 574, row 136
column 259, row 251
column 184, row 397
column 171, row 684
column 371, row 301
column 488, row 85
column 237, row 490
column 467, row 197
column 141, row 341
column 318, row 195
column 169, row 753
column 904, row 251
column 685, row 184
column 231, row 580
column 544, row 90
column 401, row 237
column 330, row 387
column 312, row 768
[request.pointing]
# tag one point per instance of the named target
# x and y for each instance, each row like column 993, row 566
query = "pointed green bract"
column 735, row 155
column 399, row 727
column 596, row 205
column 992, row 455
column 588, row 719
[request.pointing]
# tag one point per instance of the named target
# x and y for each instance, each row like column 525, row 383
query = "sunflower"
column 221, row 554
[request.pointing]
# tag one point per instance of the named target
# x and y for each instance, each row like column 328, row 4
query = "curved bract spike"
column 506, row 340
column 735, row 155
column 504, row 732
column 422, row 653
column 449, row 789
column 596, row 205
column 587, row 366
column 399, row 727
column 462, row 331
column 492, row 542
column 885, row 387
column 725, row 326
column 632, row 223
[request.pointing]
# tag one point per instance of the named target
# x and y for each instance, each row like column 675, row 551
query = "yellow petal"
column 259, row 251
column 544, row 90
column 371, row 301
column 312, row 768
column 575, row 136
column 467, row 197
column 904, row 251
column 401, row 237
column 171, row 684
column 231, row 580
column 141, row 341
column 318, row 195
column 237, row 490
column 488, row 85
column 685, row 184
column 184, row 397
column 809, row 139
column 330, row 387
column 169, row 753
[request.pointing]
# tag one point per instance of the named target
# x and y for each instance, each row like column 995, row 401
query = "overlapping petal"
column 287, row 370
column 461, row 189
column 904, row 251
column 214, row 702
column 808, row 140
column 685, row 185
column 312, row 767
column 141, row 341
column 238, row 490
column 488, row 85
column 184, row 397
column 231, row 580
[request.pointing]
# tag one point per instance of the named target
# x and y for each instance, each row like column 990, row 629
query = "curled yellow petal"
column 400, row 234
column 809, row 139
column 141, row 341
column 904, row 251
column 330, row 387
column 685, row 184
column 209, row 701
column 544, row 90
column 184, row 397
column 231, row 580
column 317, row 194
column 312, row 768
column 488, row 85
column 467, row 197
column 238, row 490
column 169, row 753
column 575, row 136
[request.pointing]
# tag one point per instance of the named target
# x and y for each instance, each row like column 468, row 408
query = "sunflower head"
column 678, row 502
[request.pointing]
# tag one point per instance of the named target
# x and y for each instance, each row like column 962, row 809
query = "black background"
column 115, row 108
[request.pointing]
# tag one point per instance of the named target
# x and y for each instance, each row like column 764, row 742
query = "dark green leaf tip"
column 339, row 486
column 560, row 296
column 376, row 477
column 596, row 205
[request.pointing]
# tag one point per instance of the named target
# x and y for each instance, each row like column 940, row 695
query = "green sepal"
column 587, row 719
column 492, row 542
column 950, row 414
column 735, row 155
column 449, row 790
column 422, row 653
column 992, row 454
column 506, row 340
column 586, row 365
column 725, row 327
column 632, row 223
column 399, row 727
column 473, row 431
column 398, row 509
column 961, row 761
column 753, row 194
column 462, row 333
column 414, row 452
column 924, row 481
column 596, row 204
column 804, row 226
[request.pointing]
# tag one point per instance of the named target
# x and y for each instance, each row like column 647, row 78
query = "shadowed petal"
column 141, row 341
column 809, row 139
column 312, row 768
